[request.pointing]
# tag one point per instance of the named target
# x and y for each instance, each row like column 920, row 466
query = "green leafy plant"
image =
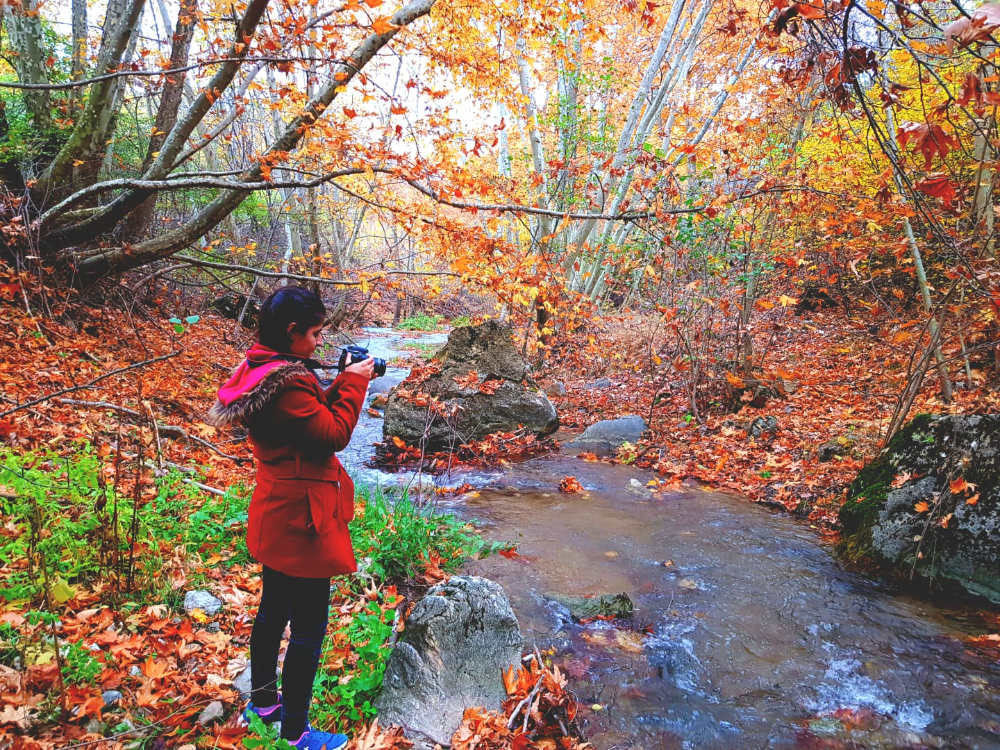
column 347, row 694
column 74, row 530
column 266, row 736
column 180, row 326
column 79, row 665
column 421, row 322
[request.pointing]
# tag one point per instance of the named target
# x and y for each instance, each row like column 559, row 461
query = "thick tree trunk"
column 24, row 30
column 80, row 157
column 118, row 209
column 166, row 114
column 79, row 28
column 105, row 260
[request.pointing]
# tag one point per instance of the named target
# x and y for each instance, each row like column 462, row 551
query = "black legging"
column 305, row 603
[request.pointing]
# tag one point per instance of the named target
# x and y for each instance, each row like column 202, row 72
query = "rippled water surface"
column 755, row 636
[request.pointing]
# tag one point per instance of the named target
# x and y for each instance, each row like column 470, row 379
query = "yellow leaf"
column 785, row 300
column 735, row 381
column 62, row 592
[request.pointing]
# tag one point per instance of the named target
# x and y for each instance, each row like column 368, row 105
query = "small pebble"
column 202, row 600
column 213, row 712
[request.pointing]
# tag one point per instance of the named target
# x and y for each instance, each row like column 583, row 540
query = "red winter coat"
column 304, row 498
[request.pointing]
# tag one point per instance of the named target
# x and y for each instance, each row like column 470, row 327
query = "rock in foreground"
column 481, row 387
column 931, row 503
column 458, row 641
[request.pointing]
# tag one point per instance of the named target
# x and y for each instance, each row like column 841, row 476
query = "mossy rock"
column 901, row 512
column 599, row 605
column 482, row 386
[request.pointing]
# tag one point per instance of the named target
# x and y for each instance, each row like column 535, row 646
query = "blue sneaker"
column 267, row 715
column 313, row 739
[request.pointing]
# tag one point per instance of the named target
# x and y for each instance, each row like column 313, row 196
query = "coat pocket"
column 323, row 502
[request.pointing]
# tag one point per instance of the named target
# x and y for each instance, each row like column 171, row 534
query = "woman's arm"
column 324, row 423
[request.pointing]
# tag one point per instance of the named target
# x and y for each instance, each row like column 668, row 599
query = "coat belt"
column 296, row 468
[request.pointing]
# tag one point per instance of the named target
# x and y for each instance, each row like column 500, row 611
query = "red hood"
column 259, row 362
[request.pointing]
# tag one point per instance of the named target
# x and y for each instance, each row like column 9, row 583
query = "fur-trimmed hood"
column 253, row 384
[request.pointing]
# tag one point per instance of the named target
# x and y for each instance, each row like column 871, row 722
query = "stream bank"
column 756, row 637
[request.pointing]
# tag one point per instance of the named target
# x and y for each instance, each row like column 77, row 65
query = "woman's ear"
column 292, row 329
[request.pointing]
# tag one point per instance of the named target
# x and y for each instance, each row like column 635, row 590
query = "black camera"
column 352, row 354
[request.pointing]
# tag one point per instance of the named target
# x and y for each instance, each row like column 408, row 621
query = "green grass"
column 393, row 538
column 74, row 530
column 421, row 322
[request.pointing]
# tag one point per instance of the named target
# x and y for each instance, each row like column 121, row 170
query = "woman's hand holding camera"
column 365, row 367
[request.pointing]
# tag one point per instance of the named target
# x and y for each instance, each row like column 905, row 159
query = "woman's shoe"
column 267, row 715
column 312, row 739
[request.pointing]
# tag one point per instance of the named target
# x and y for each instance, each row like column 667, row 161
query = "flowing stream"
column 753, row 635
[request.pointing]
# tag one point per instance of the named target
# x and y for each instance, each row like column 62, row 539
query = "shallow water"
column 757, row 636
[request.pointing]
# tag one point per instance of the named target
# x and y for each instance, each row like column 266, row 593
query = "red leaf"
column 927, row 139
column 938, row 186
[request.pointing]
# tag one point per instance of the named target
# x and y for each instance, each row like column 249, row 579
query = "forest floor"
column 834, row 385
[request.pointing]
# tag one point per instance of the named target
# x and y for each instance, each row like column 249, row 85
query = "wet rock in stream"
column 483, row 380
column 596, row 605
column 612, row 433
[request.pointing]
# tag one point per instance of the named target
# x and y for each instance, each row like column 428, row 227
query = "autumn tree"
column 75, row 202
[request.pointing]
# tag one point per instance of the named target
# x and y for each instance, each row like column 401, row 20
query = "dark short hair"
column 289, row 304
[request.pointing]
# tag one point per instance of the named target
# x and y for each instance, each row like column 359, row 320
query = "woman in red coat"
column 297, row 525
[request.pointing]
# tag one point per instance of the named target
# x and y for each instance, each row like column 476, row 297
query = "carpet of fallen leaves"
column 168, row 665
column 835, row 382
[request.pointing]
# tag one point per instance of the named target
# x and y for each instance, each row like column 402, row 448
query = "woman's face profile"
column 304, row 344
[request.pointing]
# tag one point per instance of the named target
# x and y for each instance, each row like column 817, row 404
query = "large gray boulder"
column 457, row 643
column 902, row 511
column 612, row 433
column 482, row 387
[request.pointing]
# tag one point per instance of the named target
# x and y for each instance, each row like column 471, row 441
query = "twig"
column 186, row 480
column 91, row 384
column 527, row 699
column 169, row 430
column 156, row 431
column 140, row 730
column 531, row 697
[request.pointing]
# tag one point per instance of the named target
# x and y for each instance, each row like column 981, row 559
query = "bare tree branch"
column 91, row 384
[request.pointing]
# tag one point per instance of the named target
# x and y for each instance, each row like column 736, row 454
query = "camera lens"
column 379, row 366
